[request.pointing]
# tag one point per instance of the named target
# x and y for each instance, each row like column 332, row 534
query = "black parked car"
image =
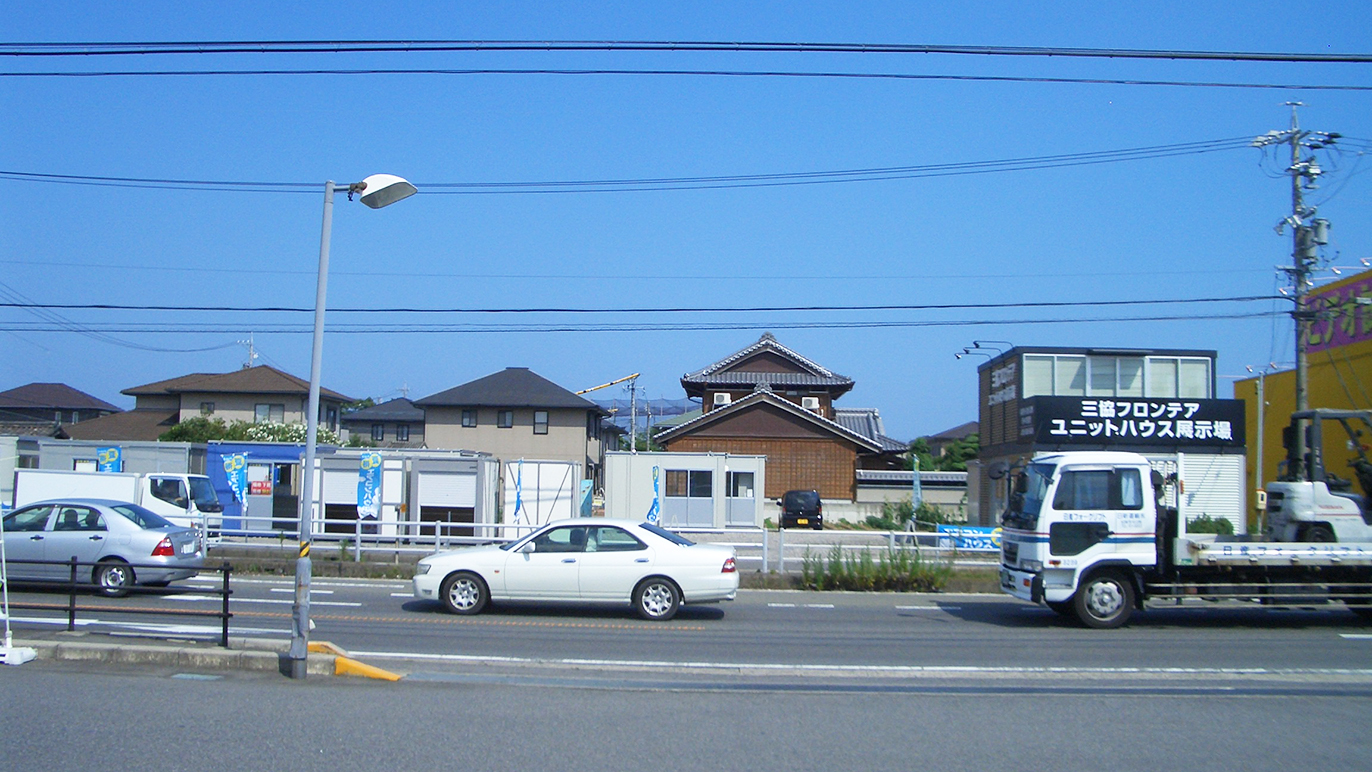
column 802, row 509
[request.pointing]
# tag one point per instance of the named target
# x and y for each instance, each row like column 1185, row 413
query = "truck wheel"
column 1104, row 601
column 1319, row 533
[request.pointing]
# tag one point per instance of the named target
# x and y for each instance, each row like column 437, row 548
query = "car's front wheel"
column 464, row 593
column 657, row 599
column 114, row 578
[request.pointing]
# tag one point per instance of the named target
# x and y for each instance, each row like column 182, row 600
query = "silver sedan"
column 118, row 543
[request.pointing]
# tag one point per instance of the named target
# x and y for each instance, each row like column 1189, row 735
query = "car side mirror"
column 527, row 547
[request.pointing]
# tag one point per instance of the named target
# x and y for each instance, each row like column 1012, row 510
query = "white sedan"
column 589, row 560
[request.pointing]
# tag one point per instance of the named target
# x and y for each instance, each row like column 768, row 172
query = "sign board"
column 1339, row 317
column 236, row 470
column 109, row 459
column 969, row 538
column 1162, row 421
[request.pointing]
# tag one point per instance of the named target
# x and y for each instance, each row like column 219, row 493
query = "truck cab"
column 185, row 499
column 1081, row 521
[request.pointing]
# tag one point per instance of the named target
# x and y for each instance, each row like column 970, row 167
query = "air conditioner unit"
column 723, row 398
column 810, row 403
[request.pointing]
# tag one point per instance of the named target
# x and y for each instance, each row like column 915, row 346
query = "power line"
column 642, row 310
column 643, row 184
column 435, row 329
column 261, row 47
column 689, row 73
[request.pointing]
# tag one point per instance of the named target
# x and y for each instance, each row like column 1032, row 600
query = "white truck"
column 1087, row 535
column 187, row 500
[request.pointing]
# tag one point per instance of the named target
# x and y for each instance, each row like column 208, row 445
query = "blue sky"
column 1193, row 226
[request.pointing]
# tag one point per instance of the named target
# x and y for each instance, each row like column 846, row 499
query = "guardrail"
column 75, row 587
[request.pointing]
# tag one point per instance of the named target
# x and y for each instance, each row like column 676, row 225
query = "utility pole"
column 1307, row 233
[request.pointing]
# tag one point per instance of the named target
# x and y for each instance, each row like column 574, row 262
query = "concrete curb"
column 250, row 657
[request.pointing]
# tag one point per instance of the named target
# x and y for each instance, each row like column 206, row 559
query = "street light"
column 376, row 191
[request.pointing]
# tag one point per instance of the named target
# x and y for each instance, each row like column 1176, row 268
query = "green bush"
column 898, row 569
column 1208, row 524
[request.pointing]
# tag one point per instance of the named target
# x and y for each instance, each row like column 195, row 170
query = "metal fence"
column 762, row 549
column 78, row 584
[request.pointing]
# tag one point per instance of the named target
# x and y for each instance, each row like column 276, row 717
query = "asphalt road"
column 877, row 635
column 774, row 680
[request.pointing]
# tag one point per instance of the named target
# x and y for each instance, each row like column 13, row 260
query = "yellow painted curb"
column 350, row 666
column 324, row 647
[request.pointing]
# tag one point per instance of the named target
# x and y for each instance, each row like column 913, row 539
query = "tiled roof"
column 867, row 422
column 957, row 432
column 262, row 379
column 768, row 343
column 768, row 397
column 33, row 429
column 781, row 380
column 511, row 387
column 53, row 395
column 129, row 425
column 394, row 410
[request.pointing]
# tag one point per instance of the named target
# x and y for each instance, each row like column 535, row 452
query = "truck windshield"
column 1031, row 486
column 203, row 493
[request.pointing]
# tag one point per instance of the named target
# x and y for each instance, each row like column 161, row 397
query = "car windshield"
column 205, row 498
column 143, row 518
column 668, row 535
column 800, row 499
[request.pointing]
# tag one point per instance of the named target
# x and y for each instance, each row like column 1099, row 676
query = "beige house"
column 516, row 414
column 259, row 394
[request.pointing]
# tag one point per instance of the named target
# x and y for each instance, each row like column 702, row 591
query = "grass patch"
column 894, row 570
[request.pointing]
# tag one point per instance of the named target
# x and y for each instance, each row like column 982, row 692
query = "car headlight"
column 421, row 568
column 1031, row 565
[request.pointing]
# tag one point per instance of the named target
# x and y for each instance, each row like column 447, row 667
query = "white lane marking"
column 819, row 605
column 1356, row 636
column 895, row 669
column 402, row 595
column 928, row 608
column 781, row 605
column 312, row 590
column 154, row 627
column 280, row 601
column 796, row 605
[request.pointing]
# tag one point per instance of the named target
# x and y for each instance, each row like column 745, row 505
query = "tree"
column 202, row 429
column 198, row 429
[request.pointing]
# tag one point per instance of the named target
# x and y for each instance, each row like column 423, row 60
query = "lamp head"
column 381, row 190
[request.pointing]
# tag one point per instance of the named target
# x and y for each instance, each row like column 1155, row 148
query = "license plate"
column 188, row 549
column 802, row 521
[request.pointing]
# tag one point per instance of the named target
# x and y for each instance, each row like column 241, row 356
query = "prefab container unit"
column 419, row 490
column 687, row 490
column 141, row 457
column 536, row 492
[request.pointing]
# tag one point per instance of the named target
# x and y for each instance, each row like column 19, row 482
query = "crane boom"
column 607, row 385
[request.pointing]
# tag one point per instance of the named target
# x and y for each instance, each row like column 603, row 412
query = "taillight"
column 729, row 566
column 164, row 549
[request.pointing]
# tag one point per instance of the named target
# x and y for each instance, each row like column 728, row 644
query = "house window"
column 469, row 418
column 402, row 432
column 504, row 419
column 206, row 408
column 378, row 432
column 264, row 413
column 540, row 422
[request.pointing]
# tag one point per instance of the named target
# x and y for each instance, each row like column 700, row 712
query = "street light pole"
column 377, row 191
